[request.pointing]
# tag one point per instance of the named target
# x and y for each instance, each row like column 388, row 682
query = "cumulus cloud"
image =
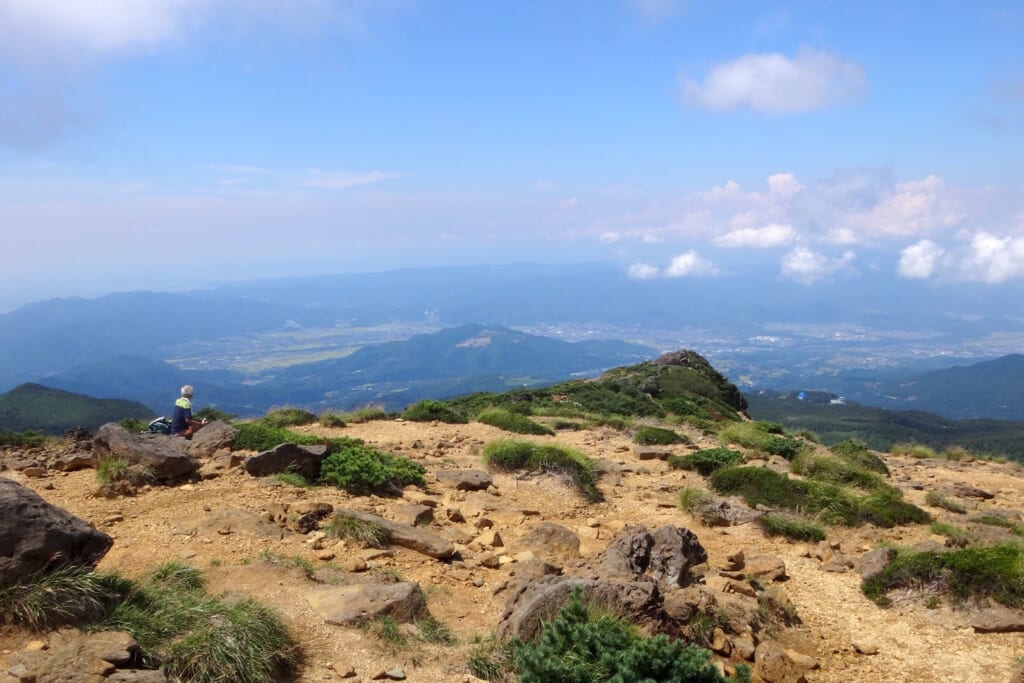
column 643, row 271
column 918, row 261
column 690, row 264
column 773, row 235
column 776, row 84
column 807, row 267
column 992, row 259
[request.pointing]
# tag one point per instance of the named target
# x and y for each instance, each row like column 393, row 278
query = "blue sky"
column 177, row 143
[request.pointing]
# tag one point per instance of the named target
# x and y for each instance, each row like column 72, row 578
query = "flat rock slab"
column 355, row 605
column 164, row 455
column 465, row 480
column 998, row 620
column 408, row 536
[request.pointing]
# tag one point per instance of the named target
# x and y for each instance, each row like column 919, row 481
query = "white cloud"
column 784, row 184
column 773, row 235
column 690, row 264
column 993, row 259
column 807, row 267
column 342, row 180
column 776, row 84
column 610, row 237
column 918, row 261
column 643, row 271
column 911, row 208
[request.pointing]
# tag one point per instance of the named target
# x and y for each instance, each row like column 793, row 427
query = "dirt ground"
column 914, row 643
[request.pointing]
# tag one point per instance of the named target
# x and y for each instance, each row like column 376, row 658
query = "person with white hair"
column 182, row 422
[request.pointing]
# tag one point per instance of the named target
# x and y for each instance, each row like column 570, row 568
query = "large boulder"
column 552, row 542
column 164, row 455
column 465, row 480
column 287, row 457
column 35, row 535
column 361, row 603
column 211, row 438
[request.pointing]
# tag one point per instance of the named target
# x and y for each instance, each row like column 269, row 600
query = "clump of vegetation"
column 995, row 572
column 194, row 636
column 590, row 646
column 363, row 531
column 260, row 436
column 492, row 659
column 429, row 411
column 387, row 631
column 830, row 503
column 993, row 520
column 857, row 453
column 647, row 435
column 288, row 416
column 940, row 499
column 434, row 631
column 707, row 460
column 523, row 455
column 955, row 453
column 362, row 469
column 336, row 420
column 366, row 414
column 836, row 471
column 511, row 421
column 913, row 450
column 26, row 439
column 765, row 437
column 210, row 413
column 692, row 499
column 115, row 468
column 955, row 535
column 615, row 422
column 134, row 424
column 294, row 479
column 791, row 527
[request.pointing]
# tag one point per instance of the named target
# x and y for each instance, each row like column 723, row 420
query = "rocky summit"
column 488, row 552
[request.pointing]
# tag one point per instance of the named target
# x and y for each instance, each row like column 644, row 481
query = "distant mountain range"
column 51, row 411
column 447, row 363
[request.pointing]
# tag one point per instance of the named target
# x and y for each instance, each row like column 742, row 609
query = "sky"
column 168, row 144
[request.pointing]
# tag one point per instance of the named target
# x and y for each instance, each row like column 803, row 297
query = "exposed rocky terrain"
column 476, row 543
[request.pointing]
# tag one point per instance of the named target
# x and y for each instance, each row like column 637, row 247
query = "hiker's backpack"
column 161, row 425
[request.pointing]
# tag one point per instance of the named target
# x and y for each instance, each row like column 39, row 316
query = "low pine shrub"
column 288, row 416
column 646, row 435
column 523, row 455
column 511, row 422
column 707, row 460
column 590, row 647
column 995, row 572
column 428, row 411
column 791, row 527
column 858, row 453
column 362, row 469
column 260, row 436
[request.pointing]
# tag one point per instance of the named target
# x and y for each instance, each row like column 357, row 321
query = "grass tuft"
column 59, row 596
column 370, row 534
column 433, row 631
column 647, row 435
column 288, row 416
column 765, row 437
column 692, row 499
column 707, row 460
column 116, row 468
column 523, row 455
column 940, row 499
column 790, row 527
column 913, row 450
column 511, row 422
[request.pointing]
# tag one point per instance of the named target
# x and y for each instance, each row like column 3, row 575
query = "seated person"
column 182, row 423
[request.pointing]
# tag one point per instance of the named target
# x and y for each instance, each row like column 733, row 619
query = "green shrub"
column 428, row 411
column 260, row 436
column 619, row 423
column 995, row 572
column 198, row 637
column 134, row 424
column 365, row 414
column 886, row 508
column 646, row 435
column 288, row 416
column 586, row 647
column 791, row 527
column 913, row 450
column 336, row 420
column 366, row 532
column 362, row 469
column 835, row 470
column 27, row 439
column 523, row 455
column 707, row 460
column 685, row 408
column 210, row 413
column 858, row 453
column 116, row 468
column 766, row 437
column 511, row 422
column 940, row 499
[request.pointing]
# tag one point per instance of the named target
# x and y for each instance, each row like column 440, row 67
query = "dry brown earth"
column 913, row 643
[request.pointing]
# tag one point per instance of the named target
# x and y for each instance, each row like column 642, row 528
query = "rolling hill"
column 51, row 411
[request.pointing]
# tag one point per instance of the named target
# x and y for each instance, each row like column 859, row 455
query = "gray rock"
column 408, row 536
column 211, row 438
column 357, row 604
column 465, row 480
column 874, row 562
column 36, row 535
column 998, row 619
column 137, row 676
column 78, row 460
column 287, row 457
column 963, row 490
column 552, row 542
column 164, row 455
column 413, row 514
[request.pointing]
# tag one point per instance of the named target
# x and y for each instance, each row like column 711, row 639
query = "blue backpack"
column 161, row 425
